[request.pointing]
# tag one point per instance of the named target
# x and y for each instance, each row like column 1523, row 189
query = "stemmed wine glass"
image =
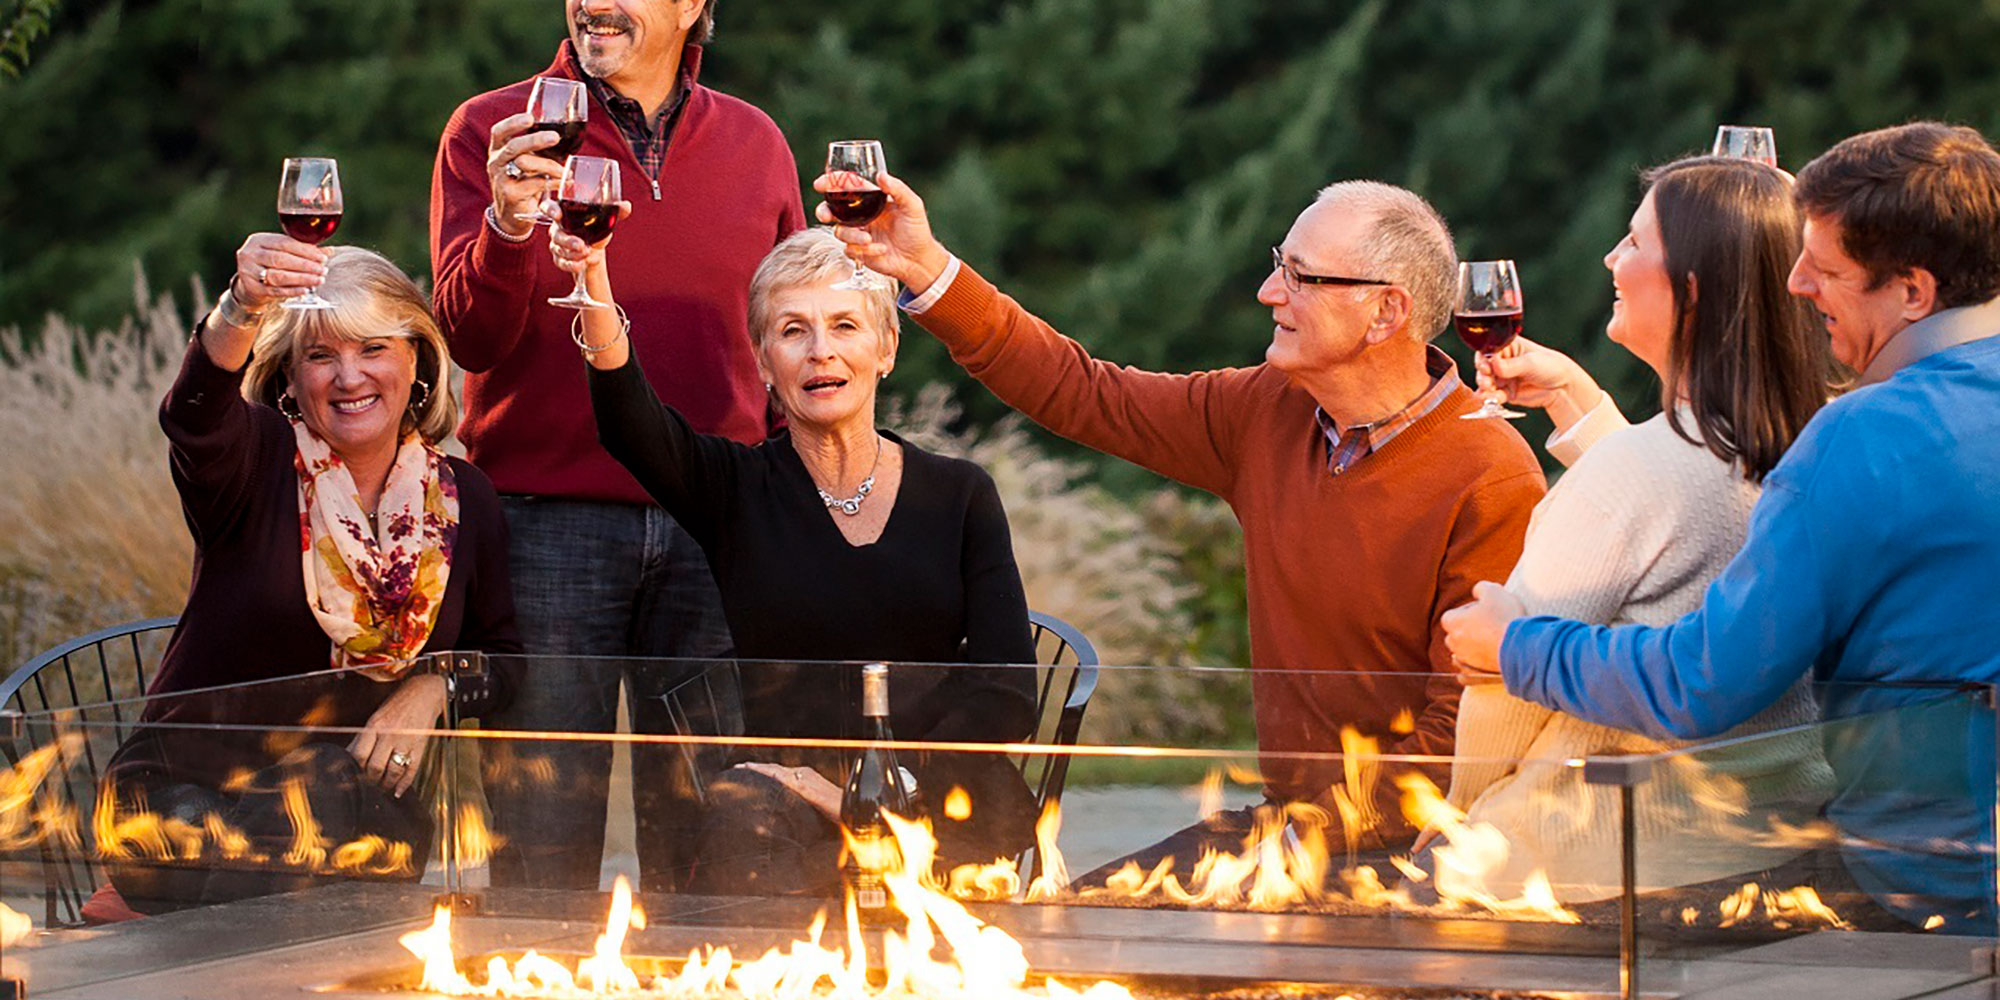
column 854, row 198
column 1747, row 142
column 587, row 198
column 562, row 106
column 309, row 208
column 1487, row 317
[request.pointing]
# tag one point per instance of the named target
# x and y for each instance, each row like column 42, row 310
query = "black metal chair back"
column 97, row 678
column 1066, row 683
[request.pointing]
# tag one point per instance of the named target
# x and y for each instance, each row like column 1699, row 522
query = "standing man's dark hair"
column 1923, row 195
column 602, row 575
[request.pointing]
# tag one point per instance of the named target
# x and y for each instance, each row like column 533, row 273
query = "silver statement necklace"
column 852, row 505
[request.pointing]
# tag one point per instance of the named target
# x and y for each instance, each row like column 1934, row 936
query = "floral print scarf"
column 376, row 590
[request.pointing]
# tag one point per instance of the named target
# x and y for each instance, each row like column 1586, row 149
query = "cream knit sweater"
column 1632, row 533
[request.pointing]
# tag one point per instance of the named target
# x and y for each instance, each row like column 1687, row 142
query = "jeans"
column 595, row 580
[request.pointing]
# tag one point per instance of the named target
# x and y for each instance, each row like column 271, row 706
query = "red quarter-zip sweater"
column 728, row 191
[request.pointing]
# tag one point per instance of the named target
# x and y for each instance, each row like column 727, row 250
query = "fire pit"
column 1279, row 915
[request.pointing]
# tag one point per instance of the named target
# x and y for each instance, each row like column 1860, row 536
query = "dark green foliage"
column 1118, row 165
column 22, row 22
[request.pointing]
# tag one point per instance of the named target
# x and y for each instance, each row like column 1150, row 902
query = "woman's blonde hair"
column 813, row 257
column 372, row 298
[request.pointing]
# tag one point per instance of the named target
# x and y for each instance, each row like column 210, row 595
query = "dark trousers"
column 759, row 839
column 596, row 584
column 344, row 805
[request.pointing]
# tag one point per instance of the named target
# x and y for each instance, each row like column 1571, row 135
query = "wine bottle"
column 876, row 786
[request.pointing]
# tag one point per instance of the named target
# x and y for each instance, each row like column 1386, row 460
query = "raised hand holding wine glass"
column 854, row 195
column 1487, row 316
column 559, row 106
column 309, row 210
column 588, row 200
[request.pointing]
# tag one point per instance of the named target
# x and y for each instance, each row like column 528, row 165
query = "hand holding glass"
column 587, row 199
column 561, row 106
column 309, row 208
column 854, row 198
column 1487, row 317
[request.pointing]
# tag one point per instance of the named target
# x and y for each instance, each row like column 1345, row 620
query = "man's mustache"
column 619, row 22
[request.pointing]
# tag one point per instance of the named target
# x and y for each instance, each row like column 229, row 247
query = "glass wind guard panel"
column 1057, row 860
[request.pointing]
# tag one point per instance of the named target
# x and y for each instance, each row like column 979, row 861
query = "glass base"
column 579, row 299
column 1490, row 410
column 309, row 300
column 862, row 280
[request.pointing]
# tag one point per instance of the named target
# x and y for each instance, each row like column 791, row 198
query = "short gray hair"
column 813, row 257
column 1407, row 243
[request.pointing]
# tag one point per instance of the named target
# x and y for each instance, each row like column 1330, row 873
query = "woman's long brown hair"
column 1750, row 359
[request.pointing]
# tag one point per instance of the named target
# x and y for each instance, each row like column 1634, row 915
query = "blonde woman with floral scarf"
column 334, row 543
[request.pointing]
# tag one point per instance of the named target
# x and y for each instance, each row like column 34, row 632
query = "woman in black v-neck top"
column 921, row 572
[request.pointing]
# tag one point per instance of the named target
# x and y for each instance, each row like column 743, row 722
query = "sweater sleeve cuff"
column 959, row 315
column 1569, row 444
column 917, row 305
column 494, row 255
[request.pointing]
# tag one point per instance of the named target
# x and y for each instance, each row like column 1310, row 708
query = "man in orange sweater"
column 1368, row 507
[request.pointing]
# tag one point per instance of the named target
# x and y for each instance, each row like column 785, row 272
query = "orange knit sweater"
column 1347, row 574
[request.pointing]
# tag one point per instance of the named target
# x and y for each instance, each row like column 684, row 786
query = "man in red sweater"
column 1368, row 507
column 598, row 569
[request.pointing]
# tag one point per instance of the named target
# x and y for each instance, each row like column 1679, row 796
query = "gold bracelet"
column 591, row 350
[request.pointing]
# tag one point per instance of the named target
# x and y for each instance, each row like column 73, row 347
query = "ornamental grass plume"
column 90, row 528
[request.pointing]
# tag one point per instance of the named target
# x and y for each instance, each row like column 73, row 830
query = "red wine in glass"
column 309, row 227
column 309, row 207
column 1488, row 332
column 586, row 220
column 570, row 135
column 857, row 207
column 1487, row 315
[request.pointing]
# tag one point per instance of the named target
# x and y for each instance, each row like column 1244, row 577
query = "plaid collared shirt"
column 647, row 136
column 1346, row 446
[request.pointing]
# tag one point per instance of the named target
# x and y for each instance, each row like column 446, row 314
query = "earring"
column 767, row 387
column 420, row 393
column 289, row 406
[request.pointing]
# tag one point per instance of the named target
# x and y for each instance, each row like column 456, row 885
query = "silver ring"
column 399, row 758
column 263, row 273
column 513, row 170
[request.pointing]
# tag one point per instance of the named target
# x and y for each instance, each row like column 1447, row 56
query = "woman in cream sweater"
column 1643, row 519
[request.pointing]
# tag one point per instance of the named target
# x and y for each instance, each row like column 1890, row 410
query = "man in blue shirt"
column 1873, row 553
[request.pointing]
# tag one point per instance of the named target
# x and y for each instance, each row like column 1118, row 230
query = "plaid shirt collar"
column 647, row 136
column 1346, row 446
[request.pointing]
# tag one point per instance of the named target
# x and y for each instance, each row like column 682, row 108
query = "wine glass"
column 587, row 198
column 1487, row 317
column 1747, row 142
column 309, row 208
column 853, row 197
column 562, row 106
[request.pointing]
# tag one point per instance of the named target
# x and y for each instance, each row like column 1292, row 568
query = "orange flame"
column 979, row 960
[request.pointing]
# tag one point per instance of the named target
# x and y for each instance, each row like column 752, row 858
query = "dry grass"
column 90, row 528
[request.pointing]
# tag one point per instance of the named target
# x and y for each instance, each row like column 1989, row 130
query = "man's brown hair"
column 1923, row 195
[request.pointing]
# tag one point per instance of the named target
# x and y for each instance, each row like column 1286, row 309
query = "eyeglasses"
column 1295, row 277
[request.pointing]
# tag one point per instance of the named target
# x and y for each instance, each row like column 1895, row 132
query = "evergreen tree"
column 22, row 22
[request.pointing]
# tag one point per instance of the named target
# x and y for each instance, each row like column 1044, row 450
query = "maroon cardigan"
column 246, row 618
column 728, row 191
